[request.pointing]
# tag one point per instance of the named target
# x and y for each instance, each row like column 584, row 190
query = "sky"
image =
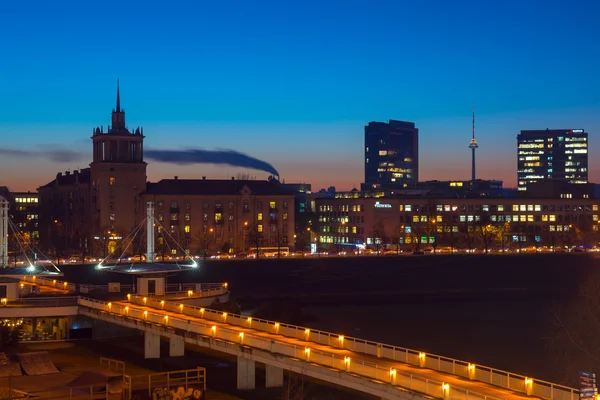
column 294, row 83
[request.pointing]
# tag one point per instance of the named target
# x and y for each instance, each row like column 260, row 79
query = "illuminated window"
column 402, row 207
column 218, row 217
column 595, row 217
column 530, row 218
column 415, row 218
column 174, row 217
column 595, row 207
column 173, row 251
column 439, row 218
column 423, row 218
column 544, row 218
column 187, row 229
column 538, row 207
column 408, row 208
column 272, row 205
column 552, row 218
column 259, row 216
column 188, row 217
column 285, row 216
column 515, row 207
column 522, row 207
column 111, row 181
column 522, row 218
column 383, row 152
column 353, row 229
column 259, row 228
column 112, row 216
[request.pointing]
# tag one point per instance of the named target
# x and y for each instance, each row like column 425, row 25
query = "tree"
column 255, row 238
column 204, row 240
column 379, row 234
column 241, row 176
column 280, row 238
column 468, row 234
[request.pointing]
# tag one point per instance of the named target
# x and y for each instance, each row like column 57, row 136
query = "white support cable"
column 134, row 232
column 36, row 250
column 16, row 235
column 178, row 245
column 126, row 237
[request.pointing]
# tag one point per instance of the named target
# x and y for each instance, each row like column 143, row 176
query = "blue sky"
column 294, row 82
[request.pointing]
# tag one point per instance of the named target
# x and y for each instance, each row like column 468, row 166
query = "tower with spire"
column 473, row 146
column 118, row 174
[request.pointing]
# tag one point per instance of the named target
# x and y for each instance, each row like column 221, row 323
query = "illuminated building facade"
column 552, row 154
column 391, row 155
column 467, row 223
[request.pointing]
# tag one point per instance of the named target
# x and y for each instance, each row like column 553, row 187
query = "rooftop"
column 70, row 178
column 214, row 187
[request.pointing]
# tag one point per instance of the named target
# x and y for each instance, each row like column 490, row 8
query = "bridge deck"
column 454, row 381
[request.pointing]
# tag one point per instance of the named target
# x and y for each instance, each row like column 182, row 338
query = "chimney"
column 176, row 177
column 203, row 178
column 233, row 178
column 67, row 173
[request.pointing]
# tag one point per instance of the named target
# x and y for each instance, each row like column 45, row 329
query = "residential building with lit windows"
column 24, row 214
column 552, row 154
column 467, row 223
column 391, row 155
column 221, row 215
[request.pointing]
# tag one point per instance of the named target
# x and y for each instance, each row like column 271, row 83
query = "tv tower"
column 473, row 145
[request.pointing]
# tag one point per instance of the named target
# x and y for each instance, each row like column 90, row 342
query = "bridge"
column 378, row 369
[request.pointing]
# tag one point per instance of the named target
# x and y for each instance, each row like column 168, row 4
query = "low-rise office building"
column 414, row 222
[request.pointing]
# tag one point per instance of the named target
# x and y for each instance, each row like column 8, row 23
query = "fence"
column 382, row 371
column 505, row 379
column 187, row 379
column 88, row 392
column 112, row 366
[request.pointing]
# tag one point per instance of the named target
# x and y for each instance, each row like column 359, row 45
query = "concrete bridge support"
column 246, row 374
column 151, row 345
column 176, row 346
column 274, row 376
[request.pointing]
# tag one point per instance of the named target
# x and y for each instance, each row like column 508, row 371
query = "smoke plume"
column 199, row 156
column 51, row 153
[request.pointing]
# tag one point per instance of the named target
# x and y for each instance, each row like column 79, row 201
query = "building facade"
column 468, row 223
column 552, row 154
column 220, row 216
column 391, row 154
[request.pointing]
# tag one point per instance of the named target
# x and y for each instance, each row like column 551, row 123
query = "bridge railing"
column 402, row 380
column 51, row 301
column 39, row 280
column 472, row 371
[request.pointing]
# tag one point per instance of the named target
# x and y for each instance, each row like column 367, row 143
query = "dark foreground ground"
column 496, row 310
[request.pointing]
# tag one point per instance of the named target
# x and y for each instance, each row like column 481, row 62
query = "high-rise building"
column 391, row 154
column 552, row 154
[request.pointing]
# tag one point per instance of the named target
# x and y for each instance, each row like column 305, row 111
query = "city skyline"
column 297, row 86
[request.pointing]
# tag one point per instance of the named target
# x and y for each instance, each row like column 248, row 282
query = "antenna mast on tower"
column 473, row 145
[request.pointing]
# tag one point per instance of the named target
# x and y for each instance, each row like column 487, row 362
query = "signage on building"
column 577, row 130
column 382, row 205
column 587, row 384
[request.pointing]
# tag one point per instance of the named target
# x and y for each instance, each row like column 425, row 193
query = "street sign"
column 587, row 384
